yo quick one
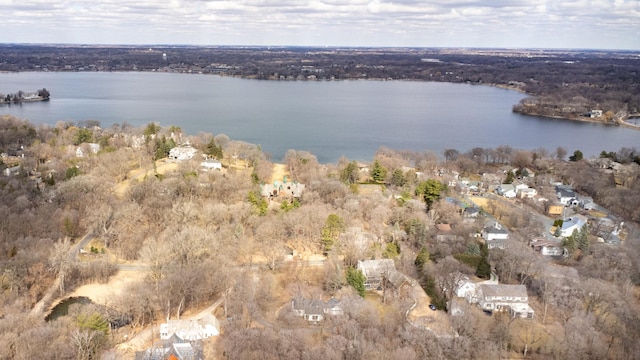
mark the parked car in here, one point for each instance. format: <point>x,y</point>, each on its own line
<point>432,307</point>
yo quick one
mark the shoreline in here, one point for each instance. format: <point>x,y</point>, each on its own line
<point>618,122</point>
<point>22,101</point>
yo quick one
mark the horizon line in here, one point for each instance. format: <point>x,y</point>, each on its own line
<point>313,46</point>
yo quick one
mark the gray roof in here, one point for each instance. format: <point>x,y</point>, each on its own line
<point>503,290</point>
<point>309,306</point>
<point>376,268</point>
<point>314,306</point>
<point>492,229</point>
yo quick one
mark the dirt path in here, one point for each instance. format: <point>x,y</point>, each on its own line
<point>421,315</point>
<point>163,166</point>
<point>103,293</point>
<point>279,172</point>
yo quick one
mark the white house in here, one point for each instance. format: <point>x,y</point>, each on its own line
<point>565,194</point>
<point>211,164</point>
<point>15,170</point>
<point>468,289</point>
<point>507,190</point>
<point>191,330</point>
<point>596,113</point>
<point>548,247</point>
<point>528,193</point>
<point>495,236</point>
<point>501,297</point>
<point>284,187</point>
<point>182,153</point>
<point>572,224</point>
<point>495,232</point>
<point>315,311</point>
<point>82,150</point>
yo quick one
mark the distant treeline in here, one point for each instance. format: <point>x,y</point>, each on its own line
<point>564,83</point>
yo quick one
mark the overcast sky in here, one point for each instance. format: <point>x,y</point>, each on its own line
<point>595,24</point>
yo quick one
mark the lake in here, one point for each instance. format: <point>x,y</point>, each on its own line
<point>327,118</point>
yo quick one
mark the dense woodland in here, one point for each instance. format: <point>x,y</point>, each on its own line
<point>562,83</point>
<point>198,233</point>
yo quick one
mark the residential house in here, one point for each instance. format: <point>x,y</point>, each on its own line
<point>574,223</point>
<point>211,164</point>
<point>596,113</point>
<point>282,188</point>
<point>469,186</point>
<point>501,297</point>
<point>377,272</point>
<point>470,214</point>
<point>449,238</point>
<point>565,194</point>
<point>172,351</point>
<point>586,202</point>
<point>548,247</point>
<point>314,310</point>
<point>495,236</point>
<point>12,171</point>
<point>468,289</point>
<point>520,186</point>
<point>85,149</point>
<point>191,330</point>
<point>528,193</point>
<point>182,153</point>
<point>506,190</point>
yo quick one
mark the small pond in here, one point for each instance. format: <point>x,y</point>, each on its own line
<point>62,309</point>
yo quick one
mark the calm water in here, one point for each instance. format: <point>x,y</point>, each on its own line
<point>329,119</point>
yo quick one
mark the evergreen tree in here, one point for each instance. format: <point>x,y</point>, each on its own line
<point>260,205</point>
<point>397,178</point>
<point>484,268</point>
<point>82,136</point>
<point>510,177</point>
<point>356,279</point>
<point>349,174</point>
<point>577,156</point>
<point>378,172</point>
<point>582,239</point>
<point>214,150</point>
<point>422,259</point>
<point>430,191</point>
<point>333,227</point>
<point>392,250</point>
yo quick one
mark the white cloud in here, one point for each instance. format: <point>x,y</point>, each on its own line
<point>486,23</point>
